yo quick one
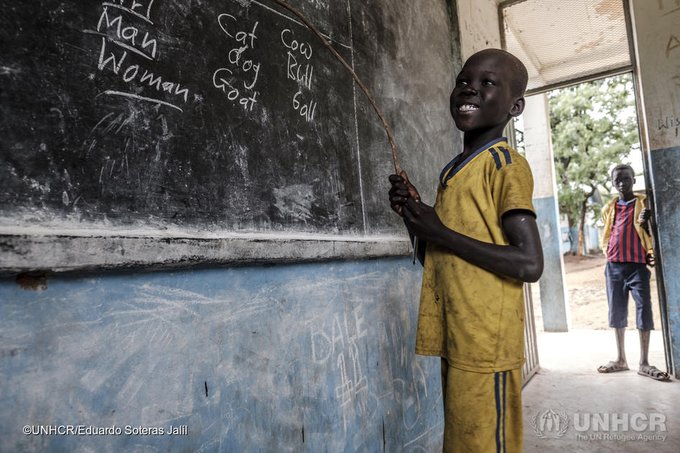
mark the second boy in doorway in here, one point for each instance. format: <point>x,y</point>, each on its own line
<point>628,246</point>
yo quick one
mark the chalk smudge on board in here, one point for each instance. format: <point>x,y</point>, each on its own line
<point>294,201</point>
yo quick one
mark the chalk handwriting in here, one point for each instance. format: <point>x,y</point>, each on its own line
<point>113,26</point>
<point>224,84</point>
<point>141,98</point>
<point>299,69</point>
<point>134,71</point>
<point>147,47</point>
<point>300,73</point>
<point>239,87</point>
<point>296,71</point>
<point>353,388</point>
<point>327,343</point>
<point>670,122</point>
<point>245,65</point>
<point>306,110</point>
<point>291,43</point>
<point>672,44</point>
<point>411,387</point>
<point>340,342</point>
<point>668,6</point>
<point>225,20</point>
<point>140,9</point>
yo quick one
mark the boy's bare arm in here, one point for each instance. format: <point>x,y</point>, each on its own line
<point>522,259</point>
<point>644,220</point>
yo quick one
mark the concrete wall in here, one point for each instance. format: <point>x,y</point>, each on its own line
<point>315,357</point>
<point>478,21</point>
<point>538,144</point>
<point>658,56</point>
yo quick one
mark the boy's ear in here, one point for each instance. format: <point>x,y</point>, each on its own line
<point>517,107</point>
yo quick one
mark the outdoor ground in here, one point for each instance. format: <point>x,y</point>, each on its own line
<point>587,295</point>
<point>569,385</point>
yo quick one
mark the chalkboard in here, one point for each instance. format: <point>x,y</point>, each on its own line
<point>208,116</point>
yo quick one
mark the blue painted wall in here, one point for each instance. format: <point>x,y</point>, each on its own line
<point>314,358</point>
<point>665,164</point>
<point>571,246</point>
<point>553,295</point>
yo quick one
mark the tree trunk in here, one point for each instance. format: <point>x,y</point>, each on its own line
<point>581,229</point>
<point>572,234</point>
<point>582,223</point>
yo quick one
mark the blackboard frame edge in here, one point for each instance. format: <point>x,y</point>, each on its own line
<point>66,254</point>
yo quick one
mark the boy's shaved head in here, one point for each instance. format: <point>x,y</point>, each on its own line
<point>489,91</point>
<point>519,73</point>
<point>621,167</point>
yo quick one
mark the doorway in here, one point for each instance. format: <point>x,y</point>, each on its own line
<point>567,44</point>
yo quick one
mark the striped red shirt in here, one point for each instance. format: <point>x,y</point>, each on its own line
<point>624,243</point>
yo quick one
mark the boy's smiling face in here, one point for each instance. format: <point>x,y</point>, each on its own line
<point>484,96</point>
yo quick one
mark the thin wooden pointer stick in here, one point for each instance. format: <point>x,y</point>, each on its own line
<point>390,138</point>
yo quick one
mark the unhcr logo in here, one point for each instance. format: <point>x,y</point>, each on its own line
<point>550,424</point>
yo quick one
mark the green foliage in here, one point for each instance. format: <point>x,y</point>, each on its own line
<point>593,128</point>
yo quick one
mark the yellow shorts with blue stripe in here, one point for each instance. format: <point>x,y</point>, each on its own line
<point>482,411</point>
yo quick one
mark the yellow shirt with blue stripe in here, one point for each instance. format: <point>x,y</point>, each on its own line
<point>468,315</point>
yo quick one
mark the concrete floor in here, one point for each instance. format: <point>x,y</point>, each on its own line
<point>588,406</point>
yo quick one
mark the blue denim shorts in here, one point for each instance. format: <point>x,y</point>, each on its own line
<point>622,279</point>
